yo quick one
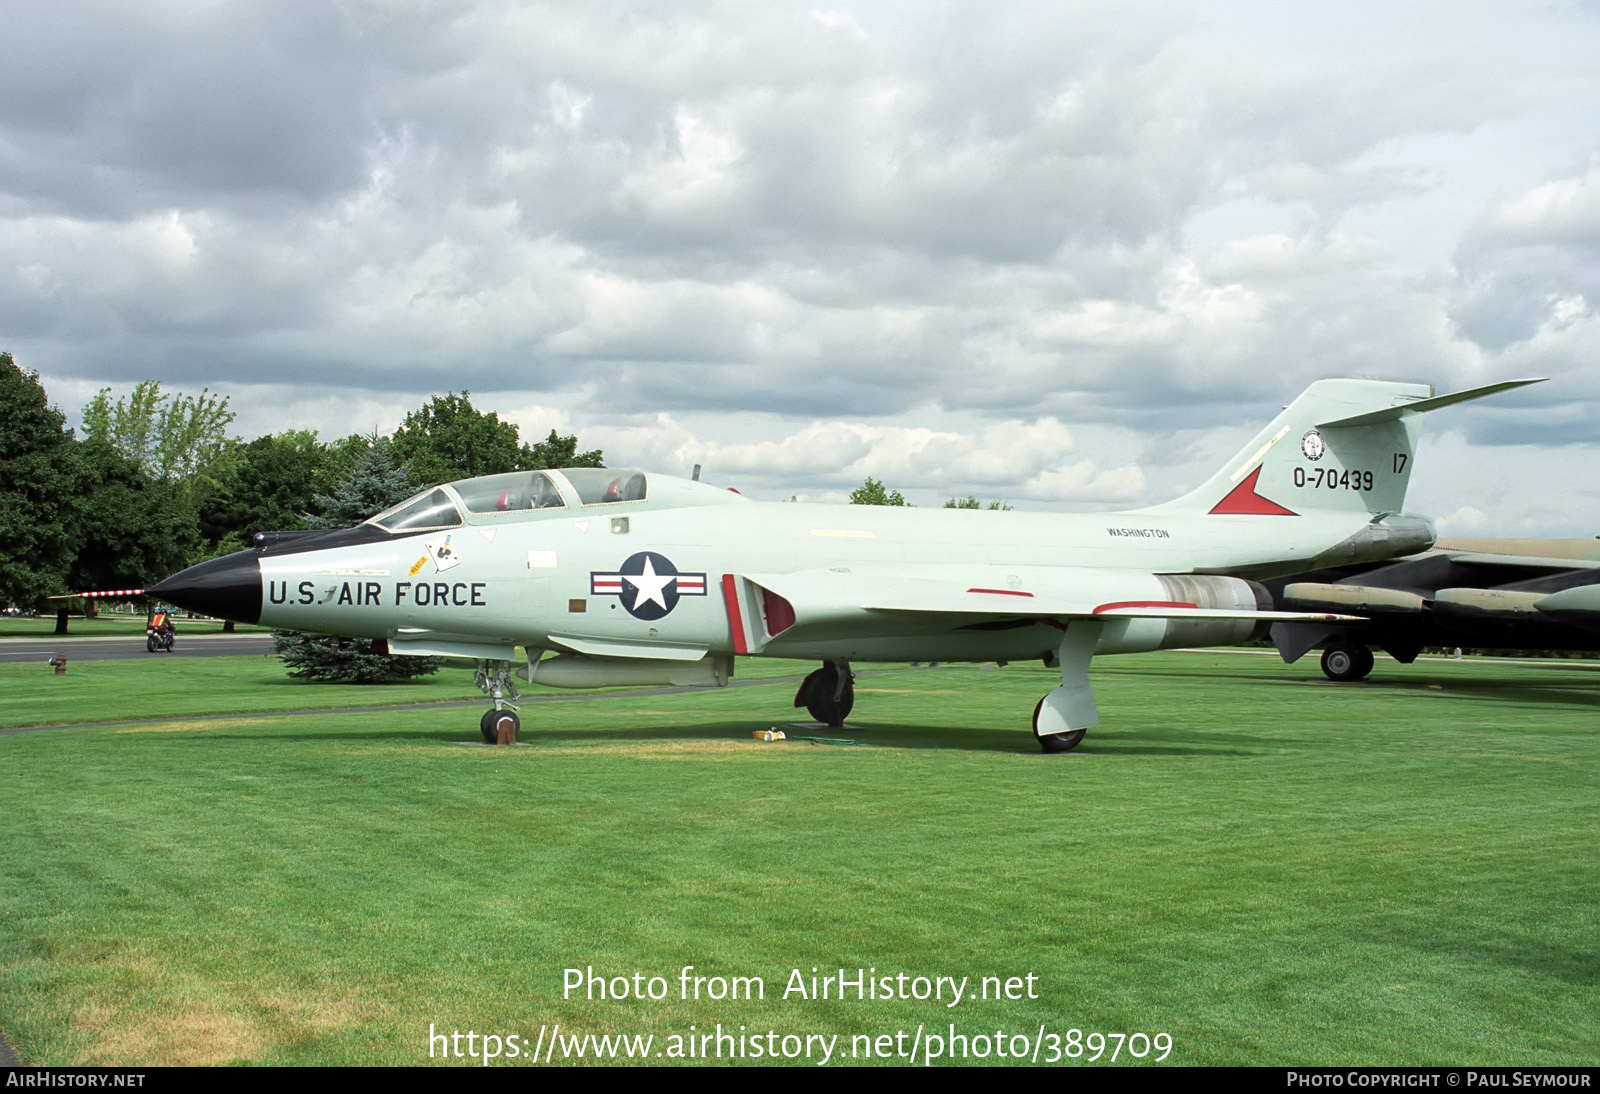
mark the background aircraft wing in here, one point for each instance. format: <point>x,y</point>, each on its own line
<point>1473,593</point>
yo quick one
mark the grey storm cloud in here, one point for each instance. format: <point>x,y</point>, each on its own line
<point>697,227</point>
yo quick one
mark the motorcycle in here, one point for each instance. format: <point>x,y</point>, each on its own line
<point>157,640</point>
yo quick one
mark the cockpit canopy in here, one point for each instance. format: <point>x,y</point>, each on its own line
<point>523,492</point>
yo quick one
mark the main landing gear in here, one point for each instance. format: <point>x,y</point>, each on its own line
<point>828,693</point>
<point>494,680</point>
<point>1346,662</point>
<point>1062,717</point>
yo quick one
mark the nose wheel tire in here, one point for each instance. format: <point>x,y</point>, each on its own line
<point>1051,743</point>
<point>492,722</point>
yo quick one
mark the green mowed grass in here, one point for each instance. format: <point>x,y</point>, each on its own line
<point>1268,867</point>
<point>158,686</point>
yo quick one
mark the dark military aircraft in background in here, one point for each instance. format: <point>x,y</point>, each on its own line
<point>1541,594</point>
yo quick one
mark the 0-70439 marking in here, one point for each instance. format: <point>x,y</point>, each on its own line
<point>1330,479</point>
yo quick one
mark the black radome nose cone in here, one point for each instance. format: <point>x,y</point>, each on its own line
<point>228,587</point>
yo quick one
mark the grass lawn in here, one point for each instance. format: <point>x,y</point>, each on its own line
<point>162,687</point>
<point>1266,867</point>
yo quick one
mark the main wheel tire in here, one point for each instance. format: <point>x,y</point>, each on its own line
<point>1346,662</point>
<point>486,726</point>
<point>816,694</point>
<point>802,694</point>
<point>1051,743</point>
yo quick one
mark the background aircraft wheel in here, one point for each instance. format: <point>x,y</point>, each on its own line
<point>816,694</point>
<point>1346,662</point>
<point>486,726</point>
<point>1055,742</point>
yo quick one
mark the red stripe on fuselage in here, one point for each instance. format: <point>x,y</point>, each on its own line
<point>1144,604</point>
<point>730,596</point>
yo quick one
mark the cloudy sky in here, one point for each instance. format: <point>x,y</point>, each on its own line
<point>1065,254</point>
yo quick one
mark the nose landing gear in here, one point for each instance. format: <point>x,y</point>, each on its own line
<point>494,680</point>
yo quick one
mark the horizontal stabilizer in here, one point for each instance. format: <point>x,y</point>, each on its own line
<point>1418,406</point>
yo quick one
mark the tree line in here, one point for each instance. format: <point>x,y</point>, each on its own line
<point>873,492</point>
<point>158,482</point>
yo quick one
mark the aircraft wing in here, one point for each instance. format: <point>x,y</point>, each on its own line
<point>817,602</point>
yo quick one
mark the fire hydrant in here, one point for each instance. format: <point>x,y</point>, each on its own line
<point>60,663</point>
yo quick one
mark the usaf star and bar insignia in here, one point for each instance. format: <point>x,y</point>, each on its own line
<point>648,584</point>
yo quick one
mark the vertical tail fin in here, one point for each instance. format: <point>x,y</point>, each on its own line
<point>1343,446</point>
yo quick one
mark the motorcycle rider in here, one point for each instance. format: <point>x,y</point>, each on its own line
<point>160,627</point>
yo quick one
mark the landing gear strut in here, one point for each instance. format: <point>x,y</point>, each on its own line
<point>1346,662</point>
<point>1062,717</point>
<point>828,693</point>
<point>494,680</point>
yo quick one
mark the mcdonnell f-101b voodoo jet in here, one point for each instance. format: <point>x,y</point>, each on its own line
<point>608,577</point>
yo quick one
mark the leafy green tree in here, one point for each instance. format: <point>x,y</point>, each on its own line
<point>971,502</point>
<point>38,492</point>
<point>130,425</point>
<point>872,492</point>
<point>131,529</point>
<point>272,487</point>
<point>558,451</point>
<point>180,438</point>
<point>449,439</point>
